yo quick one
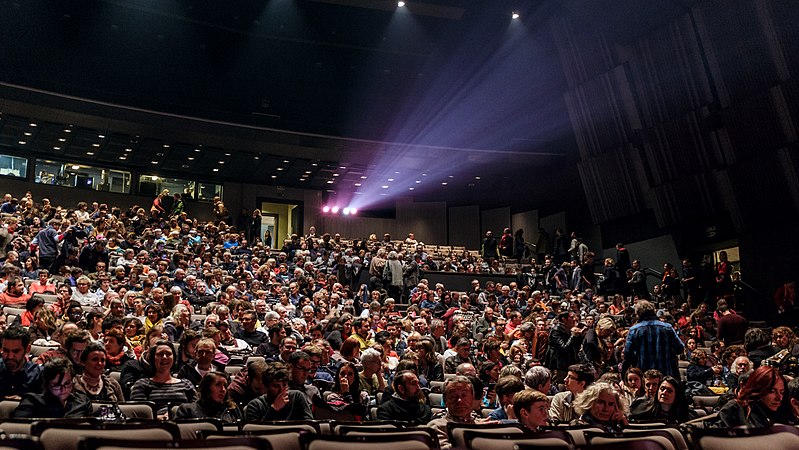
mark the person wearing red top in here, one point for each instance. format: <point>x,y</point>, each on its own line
<point>42,285</point>
<point>15,293</point>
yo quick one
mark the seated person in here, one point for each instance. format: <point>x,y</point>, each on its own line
<point>407,403</point>
<point>93,382</point>
<point>459,402</point>
<point>278,402</point>
<point>203,364</point>
<point>600,406</point>
<point>699,371</point>
<point>506,389</point>
<point>161,387</point>
<point>19,376</point>
<point>248,384</point>
<point>531,408</point>
<point>579,376</point>
<point>760,403</point>
<point>669,405</point>
<point>371,377</point>
<point>58,399</point>
<point>213,401</point>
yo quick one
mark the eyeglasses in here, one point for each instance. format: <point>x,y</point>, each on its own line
<point>61,387</point>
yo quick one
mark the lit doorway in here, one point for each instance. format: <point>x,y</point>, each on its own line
<point>281,218</point>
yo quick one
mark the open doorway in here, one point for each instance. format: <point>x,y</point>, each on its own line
<point>281,218</point>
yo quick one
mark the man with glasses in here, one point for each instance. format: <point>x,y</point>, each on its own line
<point>316,356</point>
<point>248,333</point>
<point>19,375</point>
<point>301,367</point>
<point>83,295</point>
<point>74,345</point>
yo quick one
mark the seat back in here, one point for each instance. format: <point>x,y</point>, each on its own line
<point>479,440</point>
<point>190,427</point>
<point>162,444</point>
<point>7,407</point>
<point>291,425</point>
<point>19,443</point>
<point>456,430</point>
<point>278,439</point>
<point>778,437</point>
<point>399,433</point>
<point>343,427</point>
<point>707,402</point>
<point>366,442</point>
<point>60,436</point>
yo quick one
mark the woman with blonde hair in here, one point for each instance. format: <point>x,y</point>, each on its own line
<point>601,406</point>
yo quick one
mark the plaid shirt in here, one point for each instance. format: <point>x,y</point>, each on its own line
<point>653,344</point>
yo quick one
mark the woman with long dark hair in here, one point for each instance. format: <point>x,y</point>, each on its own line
<point>668,405</point>
<point>213,401</point>
<point>347,388</point>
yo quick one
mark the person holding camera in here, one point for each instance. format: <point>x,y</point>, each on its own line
<point>565,341</point>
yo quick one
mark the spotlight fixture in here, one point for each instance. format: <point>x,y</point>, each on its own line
<point>400,4</point>
<point>515,15</point>
<point>353,211</point>
<point>334,210</point>
<point>346,211</point>
<point>326,209</point>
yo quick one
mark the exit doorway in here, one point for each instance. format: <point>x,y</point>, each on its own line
<point>281,219</point>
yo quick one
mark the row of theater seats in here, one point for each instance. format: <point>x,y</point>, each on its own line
<point>91,434</point>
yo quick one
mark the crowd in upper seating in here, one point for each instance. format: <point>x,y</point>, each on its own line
<point>106,304</point>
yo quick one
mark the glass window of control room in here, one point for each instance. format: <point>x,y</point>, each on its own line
<point>13,166</point>
<point>82,176</point>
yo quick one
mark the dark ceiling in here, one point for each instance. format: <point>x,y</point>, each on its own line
<point>452,89</point>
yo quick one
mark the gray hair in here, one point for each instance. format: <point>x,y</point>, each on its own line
<point>536,376</point>
<point>585,400</point>
<point>644,306</point>
<point>370,355</point>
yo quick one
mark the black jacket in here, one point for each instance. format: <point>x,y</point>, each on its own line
<point>203,410</point>
<point>563,348</point>
<point>48,406</point>
<point>405,410</point>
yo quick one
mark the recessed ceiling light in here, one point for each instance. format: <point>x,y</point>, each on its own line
<point>185,166</point>
<point>166,145</point>
<point>56,148</point>
<point>329,181</point>
<point>101,136</point>
<point>279,168</point>
<point>451,176</point>
<point>514,16</point>
<point>221,162</point>
<point>314,164</point>
<point>76,167</point>
<point>197,150</point>
<point>424,174</point>
<point>335,174</point>
<point>342,167</point>
<point>410,188</point>
<point>153,162</point>
<point>358,184</point>
<point>385,186</point>
<point>89,153</point>
<point>123,157</point>
<point>476,178</point>
<point>285,161</point>
<point>363,177</point>
<point>190,158</point>
<point>61,140</point>
<point>303,179</point>
<point>274,176</point>
<point>390,179</point>
<point>418,181</point>
<point>22,142</point>
<point>257,157</point>
<point>308,171</point>
<point>227,154</point>
<point>444,183</point>
<point>33,124</point>
<point>400,4</point>
<point>95,145</point>
<point>67,130</point>
<point>27,133</point>
<point>216,170</point>
<point>128,149</point>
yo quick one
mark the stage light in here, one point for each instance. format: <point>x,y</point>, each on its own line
<point>326,209</point>
<point>400,4</point>
<point>334,210</point>
<point>353,211</point>
<point>346,211</point>
<point>515,15</point>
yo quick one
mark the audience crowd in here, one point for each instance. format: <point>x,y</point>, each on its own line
<point>204,319</point>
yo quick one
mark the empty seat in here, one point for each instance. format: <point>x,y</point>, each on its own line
<point>366,442</point>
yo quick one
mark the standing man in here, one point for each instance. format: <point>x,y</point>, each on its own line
<point>490,248</point>
<point>565,341</point>
<point>652,344</point>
